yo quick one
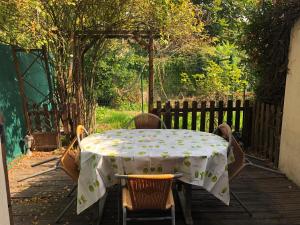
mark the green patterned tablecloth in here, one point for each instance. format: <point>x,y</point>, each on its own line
<point>201,158</point>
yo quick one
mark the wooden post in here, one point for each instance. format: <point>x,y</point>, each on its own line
<point>168,115</point>
<point>176,115</point>
<point>185,115</point>
<point>211,116</point>
<point>194,115</point>
<point>220,114</point>
<point>48,74</point>
<point>261,130</point>
<point>237,115</point>
<point>21,88</point>
<point>229,112</point>
<point>151,73</point>
<point>247,124</point>
<point>278,124</point>
<point>203,115</point>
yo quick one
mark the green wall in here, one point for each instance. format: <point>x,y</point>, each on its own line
<point>10,99</point>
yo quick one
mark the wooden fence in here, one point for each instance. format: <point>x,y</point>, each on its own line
<point>266,131</point>
<point>44,127</point>
<point>259,124</point>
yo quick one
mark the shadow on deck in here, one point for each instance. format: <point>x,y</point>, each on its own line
<point>272,199</point>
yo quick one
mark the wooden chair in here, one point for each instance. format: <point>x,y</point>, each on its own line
<point>146,192</point>
<point>239,163</point>
<point>147,121</point>
<point>68,162</point>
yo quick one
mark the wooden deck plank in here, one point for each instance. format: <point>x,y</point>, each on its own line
<point>273,200</point>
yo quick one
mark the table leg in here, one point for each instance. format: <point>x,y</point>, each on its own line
<point>185,199</point>
<point>100,209</point>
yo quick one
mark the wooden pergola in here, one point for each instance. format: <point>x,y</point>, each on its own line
<point>144,38</point>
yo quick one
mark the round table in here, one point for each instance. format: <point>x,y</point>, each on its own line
<point>201,157</point>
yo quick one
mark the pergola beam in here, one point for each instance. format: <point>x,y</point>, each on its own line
<point>115,34</point>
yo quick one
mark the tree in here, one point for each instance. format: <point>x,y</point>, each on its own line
<point>62,26</point>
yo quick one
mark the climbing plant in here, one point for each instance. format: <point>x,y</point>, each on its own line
<point>267,40</point>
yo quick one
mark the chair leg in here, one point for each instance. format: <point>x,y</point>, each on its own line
<point>44,161</point>
<point>37,174</point>
<point>72,190</point>
<point>124,216</point>
<point>249,163</point>
<point>173,215</point>
<point>65,209</point>
<point>241,203</point>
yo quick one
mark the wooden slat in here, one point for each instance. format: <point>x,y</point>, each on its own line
<point>247,124</point>
<point>272,133</point>
<point>168,116</point>
<point>203,115</point>
<point>176,115</point>
<point>220,113</point>
<point>158,109</point>
<point>211,116</point>
<point>185,115</point>
<point>237,115</point>
<point>194,115</point>
<point>261,130</point>
<point>265,194</point>
<point>229,112</point>
<point>256,128</point>
<point>278,121</point>
<point>266,131</point>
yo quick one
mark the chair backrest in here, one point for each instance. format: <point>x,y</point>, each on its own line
<point>239,159</point>
<point>225,132</point>
<point>147,121</point>
<point>68,161</point>
<point>149,191</point>
<point>235,167</point>
<point>80,132</point>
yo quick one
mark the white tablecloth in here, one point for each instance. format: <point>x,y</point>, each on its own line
<point>201,158</point>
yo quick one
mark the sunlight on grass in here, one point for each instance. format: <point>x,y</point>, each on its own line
<point>108,119</point>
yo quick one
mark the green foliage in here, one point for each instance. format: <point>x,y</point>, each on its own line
<point>267,39</point>
<point>224,20</point>
<point>214,73</point>
<point>118,73</point>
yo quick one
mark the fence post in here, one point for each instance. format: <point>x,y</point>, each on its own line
<point>168,115</point>
<point>247,124</point>
<point>272,133</point>
<point>203,115</point>
<point>261,130</point>
<point>185,115</point>
<point>278,124</point>
<point>158,109</point>
<point>176,115</point>
<point>211,116</point>
<point>266,131</point>
<point>194,115</point>
<point>229,112</point>
<point>220,113</point>
<point>237,115</point>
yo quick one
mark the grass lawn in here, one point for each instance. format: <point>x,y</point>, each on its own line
<point>108,118</point>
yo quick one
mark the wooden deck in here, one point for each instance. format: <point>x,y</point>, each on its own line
<point>271,198</point>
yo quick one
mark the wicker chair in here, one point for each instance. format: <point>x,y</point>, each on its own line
<point>146,192</point>
<point>147,121</point>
